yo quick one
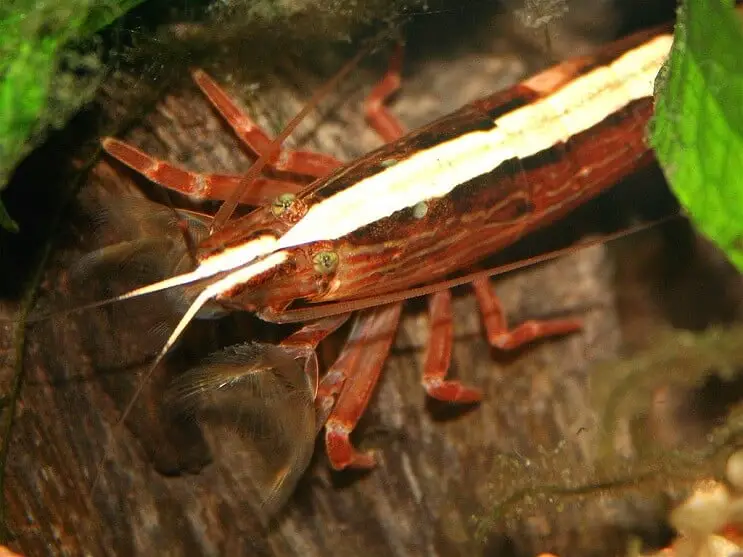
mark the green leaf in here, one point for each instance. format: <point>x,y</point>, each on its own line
<point>46,73</point>
<point>5,221</point>
<point>697,131</point>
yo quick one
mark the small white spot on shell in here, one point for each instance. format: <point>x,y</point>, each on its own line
<point>201,186</point>
<point>420,209</point>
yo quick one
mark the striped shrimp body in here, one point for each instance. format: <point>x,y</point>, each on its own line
<point>425,205</point>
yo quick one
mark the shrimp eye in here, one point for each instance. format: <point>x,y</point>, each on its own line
<point>282,203</point>
<point>325,262</point>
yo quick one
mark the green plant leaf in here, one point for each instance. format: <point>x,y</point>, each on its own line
<point>6,221</point>
<point>697,131</point>
<point>46,72</point>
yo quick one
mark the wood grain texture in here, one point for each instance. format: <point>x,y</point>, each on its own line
<point>163,492</point>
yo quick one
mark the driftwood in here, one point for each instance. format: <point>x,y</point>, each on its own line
<point>166,490</point>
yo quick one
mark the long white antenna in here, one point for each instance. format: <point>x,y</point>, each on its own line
<point>235,278</point>
<point>228,260</point>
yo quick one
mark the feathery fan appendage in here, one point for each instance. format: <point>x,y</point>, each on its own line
<point>261,393</point>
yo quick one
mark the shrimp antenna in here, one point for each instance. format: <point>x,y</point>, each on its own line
<point>230,204</point>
